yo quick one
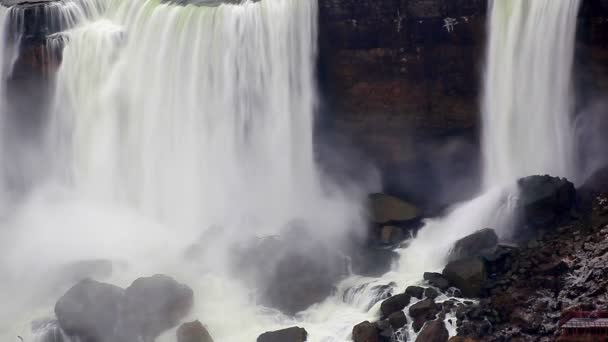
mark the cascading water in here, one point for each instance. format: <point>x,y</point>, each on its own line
<point>527,123</point>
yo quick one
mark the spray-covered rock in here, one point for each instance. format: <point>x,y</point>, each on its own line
<point>544,201</point>
<point>293,270</point>
<point>293,334</point>
<point>193,332</point>
<point>433,331</point>
<point>99,312</point>
<point>91,310</point>
<point>468,275</point>
<point>481,242</point>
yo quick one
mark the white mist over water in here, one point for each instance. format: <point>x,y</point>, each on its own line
<point>527,123</point>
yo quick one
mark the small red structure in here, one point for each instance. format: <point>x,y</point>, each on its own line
<point>585,323</point>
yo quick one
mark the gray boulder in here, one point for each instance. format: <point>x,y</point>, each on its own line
<point>293,334</point>
<point>156,304</point>
<point>92,311</point>
<point>479,243</point>
<point>99,312</point>
<point>193,332</point>
<point>394,304</point>
<point>468,275</point>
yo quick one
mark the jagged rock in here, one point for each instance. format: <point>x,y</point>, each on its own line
<point>364,332</point>
<point>469,275</point>
<point>91,310</point>
<point>293,334</point>
<point>394,304</point>
<point>397,319</point>
<point>433,331</point>
<point>437,280</point>
<point>387,209</point>
<point>415,291</point>
<point>479,243</point>
<point>193,332</point>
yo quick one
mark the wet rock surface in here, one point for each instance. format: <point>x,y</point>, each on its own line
<point>293,270</point>
<point>193,332</point>
<point>99,312</point>
<point>479,243</point>
<point>562,270</point>
<point>294,334</point>
<point>433,331</point>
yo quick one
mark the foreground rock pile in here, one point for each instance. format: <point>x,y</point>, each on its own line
<point>537,285</point>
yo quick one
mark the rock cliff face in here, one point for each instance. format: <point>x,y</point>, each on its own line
<point>403,79</point>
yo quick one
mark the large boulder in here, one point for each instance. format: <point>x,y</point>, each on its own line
<point>365,332</point>
<point>479,243</point>
<point>156,304</point>
<point>92,311</point>
<point>394,304</point>
<point>437,280</point>
<point>293,334</point>
<point>433,331</point>
<point>387,209</point>
<point>545,201</point>
<point>99,312</point>
<point>469,275</point>
<point>193,332</point>
<point>294,270</point>
<point>423,311</point>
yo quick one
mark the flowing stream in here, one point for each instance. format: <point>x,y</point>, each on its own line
<point>171,121</point>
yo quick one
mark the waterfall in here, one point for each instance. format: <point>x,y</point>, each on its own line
<point>187,113</point>
<point>527,124</point>
<point>169,120</point>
